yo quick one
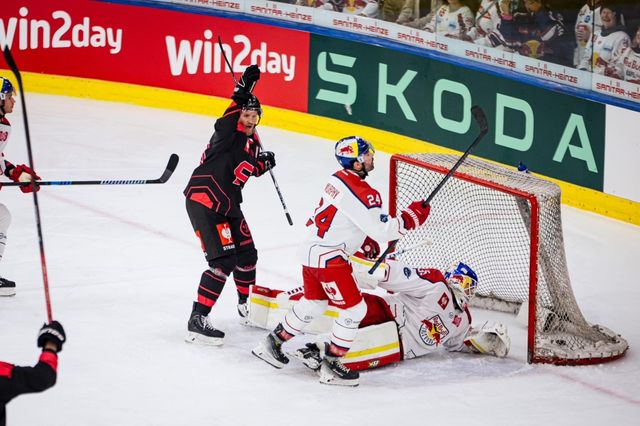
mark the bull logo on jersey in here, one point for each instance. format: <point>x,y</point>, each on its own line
<point>432,331</point>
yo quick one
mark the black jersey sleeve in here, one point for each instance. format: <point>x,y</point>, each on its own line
<point>16,380</point>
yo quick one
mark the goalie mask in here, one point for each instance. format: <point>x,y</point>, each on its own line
<point>352,149</point>
<point>463,282</point>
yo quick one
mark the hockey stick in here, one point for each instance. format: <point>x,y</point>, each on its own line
<point>168,171</point>
<point>273,177</point>
<point>493,3</point>
<point>425,242</point>
<point>481,119</point>
<point>12,64</point>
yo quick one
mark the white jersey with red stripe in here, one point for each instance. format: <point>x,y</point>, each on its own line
<point>604,50</point>
<point>447,22</point>
<point>590,20</point>
<point>5,131</point>
<point>349,210</point>
<point>424,309</point>
<point>628,65</point>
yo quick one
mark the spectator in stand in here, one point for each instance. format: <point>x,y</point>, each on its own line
<point>605,49</point>
<point>538,33</point>
<point>627,67</point>
<point>587,23</point>
<point>16,380</point>
<point>451,19</point>
<point>368,8</point>
<point>399,11</point>
<point>486,31</point>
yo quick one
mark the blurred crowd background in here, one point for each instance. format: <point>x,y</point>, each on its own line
<point>601,36</point>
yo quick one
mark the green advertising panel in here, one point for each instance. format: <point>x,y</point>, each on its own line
<point>556,135</point>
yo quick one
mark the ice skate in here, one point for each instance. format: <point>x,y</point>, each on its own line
<point>334,372</point>
<point>270,351</point>
<point>7,287</point>
<point>201,331</point>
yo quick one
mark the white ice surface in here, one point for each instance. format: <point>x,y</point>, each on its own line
<point>124,266</point>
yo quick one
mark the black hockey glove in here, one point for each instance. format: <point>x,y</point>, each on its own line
<point>247,82</point>
<point>52,332</point>
<point>266,161</point>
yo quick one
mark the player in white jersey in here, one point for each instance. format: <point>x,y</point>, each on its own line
<point>627,67</point>
<point>425,311</point>
<point>588,22</point>
<point>350,211</point>
<point>605,49</point>
<point>19,173</point>
<point>429,310</point>
<point>451,19</point>
<point>485,32</point>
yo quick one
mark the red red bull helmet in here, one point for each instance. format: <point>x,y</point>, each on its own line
<point>352,149</point>
<point>6,89</point>
<point>463,281</point>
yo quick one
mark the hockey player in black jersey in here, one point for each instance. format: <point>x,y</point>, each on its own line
<point>16,380</point>
<point>213,198</point>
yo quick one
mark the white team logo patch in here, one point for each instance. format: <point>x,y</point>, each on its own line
<point>432,331</point>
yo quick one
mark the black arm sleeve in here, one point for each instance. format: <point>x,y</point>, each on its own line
<point>26,380</point>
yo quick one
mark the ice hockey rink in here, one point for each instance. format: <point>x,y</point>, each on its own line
<point>124,265</point>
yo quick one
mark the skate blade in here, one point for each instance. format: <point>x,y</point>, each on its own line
<point>199,339</point>
<point>7,291</point>
<point>261,352</point>
<point>330,379</point>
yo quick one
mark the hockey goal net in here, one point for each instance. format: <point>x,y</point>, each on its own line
<point>507,226</point>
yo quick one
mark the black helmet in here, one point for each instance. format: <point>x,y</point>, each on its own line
<point>253,104</point>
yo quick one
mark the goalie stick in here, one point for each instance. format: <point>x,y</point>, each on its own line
<point>273,177</point>
<point>43,262</point>
<point>425,242</point>
<point>168,171</point>
<point>481,119</point>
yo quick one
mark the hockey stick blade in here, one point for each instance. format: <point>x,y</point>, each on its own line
<point>171,167</point>
<point>168,171</point>
<point>480,118</point>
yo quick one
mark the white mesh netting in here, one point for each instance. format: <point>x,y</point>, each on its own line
<point>483,217</point>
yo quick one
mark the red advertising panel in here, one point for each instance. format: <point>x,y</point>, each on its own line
<point>154,47</point>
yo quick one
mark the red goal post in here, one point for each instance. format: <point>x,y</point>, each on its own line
<point>507,226</point>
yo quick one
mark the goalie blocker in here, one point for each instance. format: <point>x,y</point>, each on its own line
<point>437,317</point>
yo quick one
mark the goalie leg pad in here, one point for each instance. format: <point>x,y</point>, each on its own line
<point>374,346</point>
<point>267,308</point>
<point>491,339</point>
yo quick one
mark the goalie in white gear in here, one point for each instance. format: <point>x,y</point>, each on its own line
<point>427,311</point>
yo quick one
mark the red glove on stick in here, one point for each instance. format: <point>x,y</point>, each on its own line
<point>22,173</point>
<point>370,248</point>
<point>415,215</point>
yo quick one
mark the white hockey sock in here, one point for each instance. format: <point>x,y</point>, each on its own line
<point>302,314</point>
